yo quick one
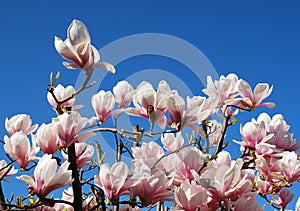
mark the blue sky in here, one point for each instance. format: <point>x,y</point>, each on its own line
<point>259,41</point>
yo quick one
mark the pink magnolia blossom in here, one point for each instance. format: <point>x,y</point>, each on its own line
<point>103,103</point>
<point>84,153</point>
<point>227,181</point>
<point>190,196</point>
<point>61,93</point>
<point>290,165</point>
<point>252,99</point>
<point>20,123</point>
<point>152,189</point>
<point>151,104</point>
<point>123,93</point>
<point>172,143</point>
<point>181,165</point>
<point>196,111</point>
<point>18,146</point>
<point>77,48</point>
<point>148,153</point>
<point>4,168</point>
<point>223,89</point>
<point>114,181</point>
<point>47,178</point>
<point>248,203</point>
<point>284,197</point>
<point>46,137</point>
<point>263,186</point>
<point>69,126</point>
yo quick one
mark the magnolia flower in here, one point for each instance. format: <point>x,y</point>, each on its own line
<point>252,99</point>
<point>113,180</point>
<point>152,189</point>
<point>148,153</point>
<point>61,93</point>
<point>284,197</point>
<point>247,203</point>
<point>69,126</point>
<point>18,147</point>
<point>123,93</point>
<point>172,143</point>
<point>77,48</point>
<point>20,122</point>
<point>189,196</point>
<point>46,137</point>
<point>180,165</point>
<point>290,166</point>
<point>151,104</point>
<point>222,89</point>
<point>196,111</point>
<point>103,102</point>
<point>226,181</point>
<point>4,168</point>
<point>46,177</point>
<point>84,153</point>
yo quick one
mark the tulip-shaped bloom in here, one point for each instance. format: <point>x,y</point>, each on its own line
<point>47,178</point>
<point>103,103</point>
<point>152,189</point>
<point>223,89</point>
<point>18,147</point>
<point>68,127</point>
<point>248,203</point>
<point>151,104</point>
<point>114,181</point>
<point>284,197</point>
<point>61,93</point>
<point>196,111</point>
<point>172,143</point>
<point>148,153</point>
<point>46,138</point>
<point>78,49</point>
<point>189,196</point>
<point>123,93</point>
<point>227,181</point>
<point>20,122</point>
<point>252,99</point>
<point>290,165</point>
<point>84,153</point>
<point>180,165</point>
<point>4,167</point>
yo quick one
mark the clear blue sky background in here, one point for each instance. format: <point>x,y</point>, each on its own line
<point>258,40</point>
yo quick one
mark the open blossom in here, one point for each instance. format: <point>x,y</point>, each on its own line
<point>152,189</point>
<point>222,89</point>
<point>114,181</point>
<point>77,48</point>
<point>172,143</point>
<point>284,197</point>
<point>148,153</point>
<point>20,122</point>
<point>181,165</point>
<point>196,111</point>
<point>18,146</point>
<point>46,176</point>
<point>4,167</point>
<point>151,104</point>
<point>252,99</point>
<point>248,203</point>
<point>103,103</point>
<point>123,93</point>
<point>84,153</point>
<point>69,126</point>
<point>46,137</point>
<point>189,196</point>
<point>226,181</point>
<point>61,93</point>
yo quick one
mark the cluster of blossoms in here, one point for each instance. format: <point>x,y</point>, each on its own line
<point>193,174</point>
